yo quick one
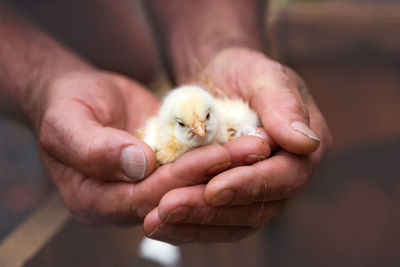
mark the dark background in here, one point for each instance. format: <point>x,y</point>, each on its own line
<point>349,53</point>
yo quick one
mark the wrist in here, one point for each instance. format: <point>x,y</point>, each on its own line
<point>195,31</point>
<point>189,59</point>
<point>29,61</point>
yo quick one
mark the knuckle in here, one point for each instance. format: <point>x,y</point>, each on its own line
<point>92,155</point>
<point>91,213</point>
<point>212,217</point>
<point>48,129</point>
<point>190,237</point>
<point>75,207</point>
<point>260,215</point>
<point>286,106</point>
<point>80,209</point>
<point>297,106</point>
<point>254,217</point>
<point>257,193</point>
<point>296,179</point>
<point>264,213</point>
<point>140,213</point>
<point>263,218</point>
<point>260,192</point>
<point>297,183</point>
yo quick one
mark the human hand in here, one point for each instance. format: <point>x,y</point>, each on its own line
<point>292,121</point>
<point>184,216</point>
<point>85,121</point>
<point>85,125</point>
<point>238,201</point>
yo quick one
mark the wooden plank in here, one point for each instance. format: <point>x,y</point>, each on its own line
<point>31,235</point>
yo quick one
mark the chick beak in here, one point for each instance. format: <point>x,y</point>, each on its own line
<point>198,127</point>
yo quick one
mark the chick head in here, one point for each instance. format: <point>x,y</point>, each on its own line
<point>190,112</point>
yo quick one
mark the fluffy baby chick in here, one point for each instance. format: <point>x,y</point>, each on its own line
<point>236,119</point>
<point>235,115</point>
<point>187,119</point>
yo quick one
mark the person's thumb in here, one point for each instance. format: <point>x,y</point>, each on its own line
<point>284,114</point>
<point>107,153</point>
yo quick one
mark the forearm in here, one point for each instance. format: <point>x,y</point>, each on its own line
<point>197,30</point>
<point>29,59</point>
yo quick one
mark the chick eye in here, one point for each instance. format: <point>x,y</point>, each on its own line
<point>208,116</point>
<point>181,123</point>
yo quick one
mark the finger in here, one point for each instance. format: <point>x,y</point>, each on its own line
<point>79,140</point>
<point>318,123</point>
<point>177,234</point>
<point>194,167</point>
<point>187,205</point>
<point>198,165</point>
<point>261,133</point>
<point>247,150</point>
<point>92,200</point>
<point>280,104</point>
<point>277,178</point>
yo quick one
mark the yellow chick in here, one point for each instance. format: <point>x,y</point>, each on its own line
<point>188,118</point>
<point>236,119</point>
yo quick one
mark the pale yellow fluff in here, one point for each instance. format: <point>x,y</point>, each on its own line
<point>187,119</point>
<point>236,119</point>
<point>190,117</point>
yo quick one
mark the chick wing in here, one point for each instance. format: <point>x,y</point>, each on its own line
<point>236,119</point>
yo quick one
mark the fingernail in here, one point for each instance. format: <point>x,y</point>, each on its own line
<point>133,162</point>
<point>223,198</point>
<point>178,215</point>
<point>304,129</point>
<point>250,159</point>
<point>258,133</point>
<point>218,168</point>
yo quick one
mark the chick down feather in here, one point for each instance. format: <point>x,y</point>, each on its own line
<point>236,119</point>
<point>190,117</point>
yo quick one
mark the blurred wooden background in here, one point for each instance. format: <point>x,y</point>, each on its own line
<point>348,52</point>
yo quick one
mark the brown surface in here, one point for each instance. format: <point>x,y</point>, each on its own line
<point>361,102</point>
<point>310,31</point>
<point>24,242</point>
<point>349,217</point>
<point>80,245</point>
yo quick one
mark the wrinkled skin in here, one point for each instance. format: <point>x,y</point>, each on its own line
<point>85,120</point>
<point>238,201</point>
<point>82,134</point>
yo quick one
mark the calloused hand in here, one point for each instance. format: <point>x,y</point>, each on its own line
<point>85,124</point>
<point>237,201</point>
